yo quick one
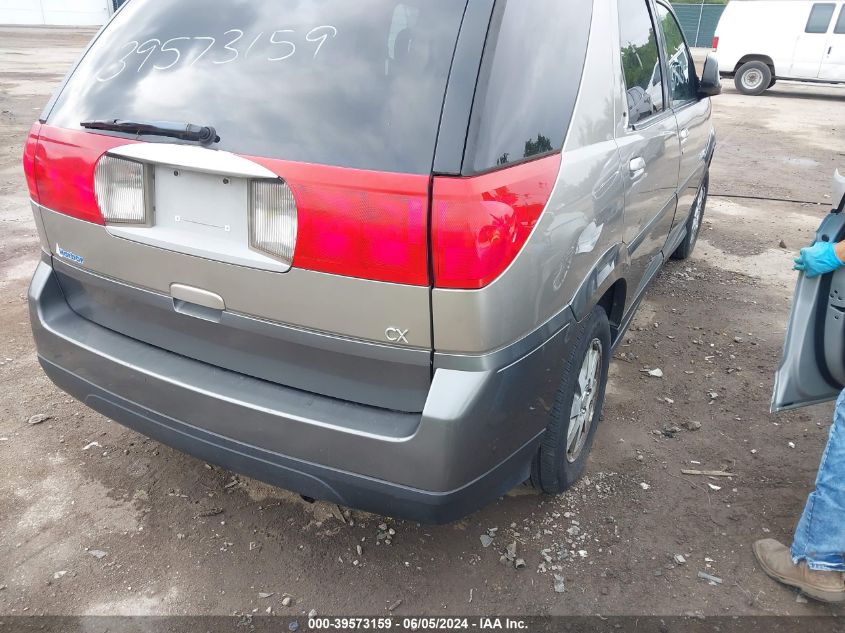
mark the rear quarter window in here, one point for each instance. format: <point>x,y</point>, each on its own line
<point>820,16</point>
<point>354,84</point>
<point>531,73</point>
<point>839,29</point>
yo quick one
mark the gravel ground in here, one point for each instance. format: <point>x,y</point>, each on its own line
<point>133,527</point>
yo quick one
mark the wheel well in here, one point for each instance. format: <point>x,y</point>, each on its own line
<point>613,302</point>
<point>756,58</point>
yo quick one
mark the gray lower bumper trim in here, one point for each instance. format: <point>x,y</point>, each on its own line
<point>311,480</point>
<point>475,440</point>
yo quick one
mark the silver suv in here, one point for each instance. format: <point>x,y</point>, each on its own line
<point>375,252</point>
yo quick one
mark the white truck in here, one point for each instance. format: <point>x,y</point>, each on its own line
<point>761,41</point>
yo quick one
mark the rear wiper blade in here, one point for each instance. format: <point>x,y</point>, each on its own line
<point>203,134</point>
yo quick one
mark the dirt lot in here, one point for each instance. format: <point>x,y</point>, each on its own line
<point>132,526</point>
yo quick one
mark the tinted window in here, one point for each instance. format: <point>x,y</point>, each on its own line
<point>840,23</point>
<point>679,65</point>
<point>357,84</point>
<point>530,77</point>
<point>820,17</point>
<point>640,60</point>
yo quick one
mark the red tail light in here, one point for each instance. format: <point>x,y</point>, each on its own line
<point>358,223</point>
<point>480,224</point>
<point>29,159</point>
<point>351,222</point>
<point>716,43</point>
<point>64,170</point>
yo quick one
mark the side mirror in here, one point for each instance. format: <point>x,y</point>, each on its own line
<point>710,83</point>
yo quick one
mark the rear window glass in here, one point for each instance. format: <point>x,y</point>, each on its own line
<point>354,84</point>
<point>840,23</point>
<point>820,17</point>
<point>531,73</point>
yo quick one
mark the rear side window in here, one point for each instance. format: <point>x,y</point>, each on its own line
<point>354,84</point>
<point>640,61</point>
<point>679,64</point>
<point>531,73</point>
<point>840,23</point>
<point>820,17</point>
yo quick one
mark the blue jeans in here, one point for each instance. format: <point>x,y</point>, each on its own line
<point>820,535</point>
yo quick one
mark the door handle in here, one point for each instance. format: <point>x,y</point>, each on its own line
<point>684,134</point>
<point>636,167</point>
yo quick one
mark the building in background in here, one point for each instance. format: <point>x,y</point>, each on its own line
<point>57,12</point>
<point>699,20</point>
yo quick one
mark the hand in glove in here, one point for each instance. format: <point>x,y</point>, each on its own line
<point>819,259</point>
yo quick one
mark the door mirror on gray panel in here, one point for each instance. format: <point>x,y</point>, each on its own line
<point>710,83</point>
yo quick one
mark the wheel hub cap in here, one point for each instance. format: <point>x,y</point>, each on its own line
<point>752,79</point>
<point>584,401</point>
<point>698,212</point>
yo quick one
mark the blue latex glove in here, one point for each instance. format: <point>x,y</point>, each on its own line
<point>818,259</point>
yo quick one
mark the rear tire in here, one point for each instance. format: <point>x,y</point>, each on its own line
<point>753,78</point>
<point>696,217</point>
<point>575,415</point>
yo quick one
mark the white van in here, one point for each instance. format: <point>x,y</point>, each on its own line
<point>761,41</point>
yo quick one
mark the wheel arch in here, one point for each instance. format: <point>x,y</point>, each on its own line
<point>756,58</point>
<point>606,286</point>
<point>613,302</point>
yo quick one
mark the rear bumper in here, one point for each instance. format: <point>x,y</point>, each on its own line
<point>474,440</point>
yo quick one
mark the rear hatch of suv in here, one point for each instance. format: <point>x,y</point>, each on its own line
<point>293,247</point>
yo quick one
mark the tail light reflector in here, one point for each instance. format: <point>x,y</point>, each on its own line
<point>29,151</point>
<point>716,43</point>
<point>119,185</point>
<point>272,219</point>
<point>480,224</point>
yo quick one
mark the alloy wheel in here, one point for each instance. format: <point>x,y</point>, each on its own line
<point>584,400</point>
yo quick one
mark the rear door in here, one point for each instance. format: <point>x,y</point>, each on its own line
<point>295,249</point>
<point>813,365</point>
<point>648,142</point>
<point>833,64</point>
<point>811,45</point>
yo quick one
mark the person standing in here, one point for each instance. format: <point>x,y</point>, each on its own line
<point>816,560</point>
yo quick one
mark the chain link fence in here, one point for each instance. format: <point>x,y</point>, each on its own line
<point>699,22</point>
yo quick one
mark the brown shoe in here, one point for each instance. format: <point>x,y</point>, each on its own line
<point>776,561</point>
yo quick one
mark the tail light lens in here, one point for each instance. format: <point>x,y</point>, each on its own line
<point>480,224</point>
<point>272,219</point>
<point>119,185</point>
<point>65,161</point>
<point>716,43</point>
<point>358,223</point>
<point>29,152</point>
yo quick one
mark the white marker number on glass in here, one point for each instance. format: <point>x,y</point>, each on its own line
<point>186,51</point>
<point>292,46</point>
<point>320,34</point>
<point>121,63</point>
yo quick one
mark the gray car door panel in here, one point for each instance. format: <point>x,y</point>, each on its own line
<point>813,367</point>
<point>650,199</point>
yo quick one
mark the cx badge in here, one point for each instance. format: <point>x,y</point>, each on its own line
<point>395,335</point>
